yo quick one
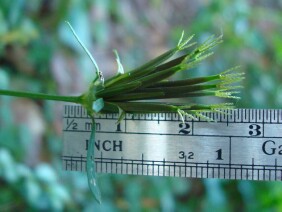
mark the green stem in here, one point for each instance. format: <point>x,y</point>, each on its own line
<point>74,99</point>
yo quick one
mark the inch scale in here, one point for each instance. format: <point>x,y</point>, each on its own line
<point>245,144</point>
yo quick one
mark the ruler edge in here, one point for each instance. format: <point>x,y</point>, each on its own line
<point>246,115</point>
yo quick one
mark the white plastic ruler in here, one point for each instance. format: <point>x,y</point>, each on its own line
<point>246,144</point>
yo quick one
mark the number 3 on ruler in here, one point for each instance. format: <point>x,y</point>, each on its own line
<point>255,130</point>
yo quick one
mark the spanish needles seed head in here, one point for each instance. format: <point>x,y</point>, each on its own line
<point>148,82</point>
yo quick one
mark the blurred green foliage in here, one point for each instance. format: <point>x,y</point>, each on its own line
<point>38,53</point>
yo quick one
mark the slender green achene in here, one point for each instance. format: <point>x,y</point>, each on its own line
<point>148,67</point>
<point>131,92</point>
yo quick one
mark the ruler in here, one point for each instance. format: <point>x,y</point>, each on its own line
<point>246,144</point>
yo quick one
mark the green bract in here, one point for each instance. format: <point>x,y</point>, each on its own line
<point>133,91</point>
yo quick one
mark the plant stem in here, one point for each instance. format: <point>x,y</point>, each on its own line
<point>74,99</point>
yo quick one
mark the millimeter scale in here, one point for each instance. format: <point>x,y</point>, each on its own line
<point>241,144</point>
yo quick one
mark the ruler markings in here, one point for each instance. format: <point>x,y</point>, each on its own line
<point>267,119</point>
<point>167,163</point>
<point>263,124</point>
<point>250,141</point>
<point>177,165</point>
<point>230,150</point>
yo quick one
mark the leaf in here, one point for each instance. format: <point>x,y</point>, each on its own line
<point>90,165</point>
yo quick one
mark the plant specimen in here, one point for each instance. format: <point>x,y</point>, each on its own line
<point>134,91</point>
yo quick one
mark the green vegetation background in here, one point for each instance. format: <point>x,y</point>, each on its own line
<point>38,53</point>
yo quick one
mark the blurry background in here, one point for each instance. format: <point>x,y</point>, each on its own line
<point>38,53</point>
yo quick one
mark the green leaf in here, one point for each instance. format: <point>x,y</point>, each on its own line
<point>90,165</point>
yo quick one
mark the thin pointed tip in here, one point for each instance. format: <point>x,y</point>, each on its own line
<point>181,38</point>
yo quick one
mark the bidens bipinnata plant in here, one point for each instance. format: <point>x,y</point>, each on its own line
<point>133,91</point>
